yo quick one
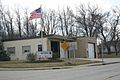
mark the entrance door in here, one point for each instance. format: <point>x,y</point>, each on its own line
<point>91,50</point>
<point>55,48</point>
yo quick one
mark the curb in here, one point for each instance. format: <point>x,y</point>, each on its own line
<point>26,69</point>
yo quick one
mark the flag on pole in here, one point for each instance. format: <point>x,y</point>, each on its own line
<point>35,14</point>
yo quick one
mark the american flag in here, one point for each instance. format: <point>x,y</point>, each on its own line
<point>35,14</point>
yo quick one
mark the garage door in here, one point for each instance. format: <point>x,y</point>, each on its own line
<point>91,50</point>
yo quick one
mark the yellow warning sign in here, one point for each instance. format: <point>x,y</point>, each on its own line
<point>65,45</point>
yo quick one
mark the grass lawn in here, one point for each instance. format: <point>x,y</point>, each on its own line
<point>112,55</point>
<point>39,64</point>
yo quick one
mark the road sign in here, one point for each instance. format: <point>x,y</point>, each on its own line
<point>65,45</point>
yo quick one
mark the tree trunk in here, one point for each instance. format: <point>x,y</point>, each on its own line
<point>109,50</point>
<point>116,52</point>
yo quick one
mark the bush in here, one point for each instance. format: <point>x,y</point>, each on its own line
<point>4,56</point>
<point>31,57</point>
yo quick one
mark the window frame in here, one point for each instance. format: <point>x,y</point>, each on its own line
<point>8,48</point>
<point>40,46</point>
<point>26,51</point>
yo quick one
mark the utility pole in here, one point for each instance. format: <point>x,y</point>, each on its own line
<point>102,52</point>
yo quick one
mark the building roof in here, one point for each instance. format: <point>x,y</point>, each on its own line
<point>47,36</point>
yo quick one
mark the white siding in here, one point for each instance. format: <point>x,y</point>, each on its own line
<point>62,55</point>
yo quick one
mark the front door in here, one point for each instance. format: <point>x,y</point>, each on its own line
<point>55,48</point>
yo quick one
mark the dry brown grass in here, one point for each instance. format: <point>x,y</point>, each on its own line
<point>24,64</point>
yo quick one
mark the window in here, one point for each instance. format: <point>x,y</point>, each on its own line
<point>26,49</point>
<point>11,50</point>
<point>39,47</point>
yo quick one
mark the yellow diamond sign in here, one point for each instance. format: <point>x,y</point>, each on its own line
<point>65,45</point>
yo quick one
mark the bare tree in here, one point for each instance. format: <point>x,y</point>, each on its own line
<point>26,23</point>
<point>67,22</point>
<point>33,30</point>
<point>94,23</point>
<point>110,32</point>
<point>88,19</point>
<point>9,21</point>
<point>104,36</point>
<point>4,28</point>
<point>49,22</point>
<point>2,31</point>
<point>1,20</point>
<point>115,30</point>
<point>18,21</point>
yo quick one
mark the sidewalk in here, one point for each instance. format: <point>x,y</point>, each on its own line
<point>111,60</point>
<point>106,61</point>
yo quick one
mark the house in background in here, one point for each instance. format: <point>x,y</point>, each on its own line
<point>114,47</point>
<point>80,47</point>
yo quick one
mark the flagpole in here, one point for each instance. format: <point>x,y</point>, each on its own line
<point>41,29</point>
<point>37,13</point>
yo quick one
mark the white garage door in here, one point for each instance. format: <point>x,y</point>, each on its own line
<point>91,51</point>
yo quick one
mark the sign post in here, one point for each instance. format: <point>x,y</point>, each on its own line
<point>65,46</point>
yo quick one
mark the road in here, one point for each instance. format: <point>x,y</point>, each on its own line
<point>101,72</point>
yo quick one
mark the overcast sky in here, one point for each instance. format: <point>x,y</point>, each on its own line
<point>55,4</point>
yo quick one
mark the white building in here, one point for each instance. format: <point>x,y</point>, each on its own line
<point>21,47</point>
